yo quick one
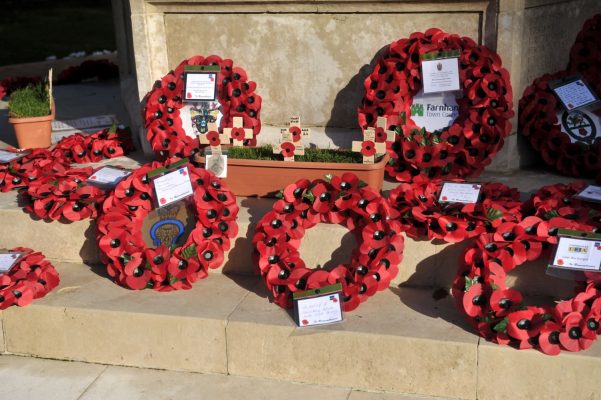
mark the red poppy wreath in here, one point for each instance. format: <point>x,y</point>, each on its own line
<point>340,200</point>
<point>422,215</point>
<point>235,93</point>
<point>568,142</point>
<point>499,313</point>
<point>166,267</point>
<point>32,277</point>
<point>465,147</point>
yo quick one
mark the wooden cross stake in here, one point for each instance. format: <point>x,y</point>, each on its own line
<point>383,134</point>
<point>238,133</point>
<point>213,138</point>
<point>297,131</point>
<point>287,147</point>
<point>369,147</point>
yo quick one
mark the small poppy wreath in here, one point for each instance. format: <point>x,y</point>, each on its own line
<point>235,93</point>
<point>20,172</point>
<point>499,314</point>
<point>64,195</point>
<point>32,277</point>
<point>468,145</point>
<point>422,215</point>
<point>338,200</point>
<point>133,265</point>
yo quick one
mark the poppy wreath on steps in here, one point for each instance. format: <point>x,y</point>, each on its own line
<point>469,143</point>
<point>32,277</point>
<point>235,93</point>
<point>340,200</point>
<point>130,263</point>
<point>556,204</point>
<point>539,124</point>
<point>423,216</point>
<point>498,312</point>
<point>20,172</point>
<point>64,195</point>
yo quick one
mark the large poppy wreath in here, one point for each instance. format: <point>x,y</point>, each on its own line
<point>569,143</point>
<point>167,267</point>
<point>465,147</point>
<point>31,278</point>
<point>235,93</point>
<point>342,200</point>
<point>422,215</point>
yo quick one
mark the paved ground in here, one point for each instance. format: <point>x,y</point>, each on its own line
<point>34,378</point>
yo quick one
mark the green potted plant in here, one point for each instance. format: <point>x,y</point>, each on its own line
<point>31,111</point>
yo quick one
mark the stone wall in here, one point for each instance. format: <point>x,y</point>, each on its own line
<point>311,57</point>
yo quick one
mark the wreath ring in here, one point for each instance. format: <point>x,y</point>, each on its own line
<point>469,143</point>
<point>235,92</point>
<point>339,200</point>
<point>32,277</point>
<point>167,267</point>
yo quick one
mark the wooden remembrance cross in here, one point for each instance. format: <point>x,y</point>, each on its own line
<point>291,140</point>
<point>238,133</point>
<point>215,145</point>
<point>369,147</point>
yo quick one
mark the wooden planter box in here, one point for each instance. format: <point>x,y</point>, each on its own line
<point>266,178</point>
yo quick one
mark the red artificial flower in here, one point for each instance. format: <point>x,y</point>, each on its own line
<point>524,324</point>
<point>368,148</point>
<point>213,138</point>
<point>296,133</point>
<point>288,149</point>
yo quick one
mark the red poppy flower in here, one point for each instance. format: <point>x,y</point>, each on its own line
<point>524,324</point>
<point>368,148</point>
<point>296,133</point>
<point>503,302</point>
<point>288,149</point>
<point>213,138</point>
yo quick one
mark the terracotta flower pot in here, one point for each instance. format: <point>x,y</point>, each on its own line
<point>266,178</point>
<point>34,132</point>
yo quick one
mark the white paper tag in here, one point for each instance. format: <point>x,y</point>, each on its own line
<point>575,94</point>
<point>581,254</point>
<point>8,260</point>
<point>216,163</point>
<point>8,156</point>
<point>435,111</point>
<point>200,86</point>
<point>591,193</point>
<point>466,193</point>
<point>440,75</point>
<point>173,186</point>
<point>319,310</point>
<point>108,176</point>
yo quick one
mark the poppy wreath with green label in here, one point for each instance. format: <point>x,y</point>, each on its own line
<point>469,143</point>
<point>422,215</point>
<point>499,313</point>
<point>340,200</point>
<point>132,264</point>
<point>235,92</point>
<point>577,153</point>
<point>32,277</point>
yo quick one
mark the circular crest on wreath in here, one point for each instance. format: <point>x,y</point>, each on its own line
<point>464,147</point>
<point>173,262</point>
<point>337,200</point>
<point>236,95</point>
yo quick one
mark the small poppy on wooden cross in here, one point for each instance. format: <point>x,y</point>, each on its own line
<point>296,130</point>
<point>369,147</point>
<point>238,133</point>
<point>287,147</point>
<point>213,138</point>
<point>382,134</point>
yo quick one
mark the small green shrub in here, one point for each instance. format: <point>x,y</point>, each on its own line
<point>31,101</point>
<point>311,155</point>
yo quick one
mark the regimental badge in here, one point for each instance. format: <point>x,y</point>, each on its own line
<point>579,126</point>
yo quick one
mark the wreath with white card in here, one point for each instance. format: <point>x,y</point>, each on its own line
<point>164,108</point>
<point>458,148</point>
<point>175,262</point>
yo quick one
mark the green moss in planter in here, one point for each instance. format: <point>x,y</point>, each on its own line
<point>311,155</point>
<point>32,101</point>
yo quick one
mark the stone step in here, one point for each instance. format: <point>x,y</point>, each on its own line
<point>36,378</point>
<point>403,340</point>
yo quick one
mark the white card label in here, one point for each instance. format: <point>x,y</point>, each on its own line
<point>591,192</point>
<point>434,111</point>
<point>173,186</point>
<point>575,94</point>
<point>7,261</point>
<point>8,156</point>
<point>582,254</point>
<point>108,176</point>
<point>217,164</point>
<point>319,310</point>
<point>466,193</point>
<point>441,75</point>
<point>200,86</point>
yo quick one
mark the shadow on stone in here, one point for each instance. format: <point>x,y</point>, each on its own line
<point>89,252</point>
